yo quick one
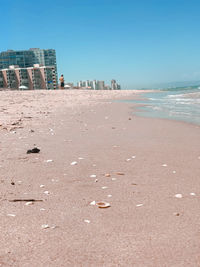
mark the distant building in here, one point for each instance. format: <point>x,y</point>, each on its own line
<point>36,77</point>
<point>115,85</point>
<point>98,85</point>
<point>27,58</point>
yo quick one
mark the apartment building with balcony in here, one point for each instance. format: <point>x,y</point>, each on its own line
<point>36,77</point>
<point>27,58</point>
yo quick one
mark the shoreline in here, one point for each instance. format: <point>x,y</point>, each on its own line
<point>146,224</point>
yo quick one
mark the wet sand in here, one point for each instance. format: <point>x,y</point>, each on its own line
<point>147,223</point>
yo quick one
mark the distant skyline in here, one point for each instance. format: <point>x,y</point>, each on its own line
<point>138,43</point>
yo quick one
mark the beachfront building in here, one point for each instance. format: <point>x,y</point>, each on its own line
<point>1,80</point>
<point>27,58</point>
<point>98,85</point>
<point>115,85</point>
<point>36,77</point>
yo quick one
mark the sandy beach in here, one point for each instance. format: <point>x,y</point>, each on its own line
<point>92,150</point>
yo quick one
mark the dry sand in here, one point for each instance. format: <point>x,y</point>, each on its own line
<point>146,224</point>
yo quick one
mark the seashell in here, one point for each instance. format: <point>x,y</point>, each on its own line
<point>103,205</point>
<point>178,195</point>
<point>74,163</point>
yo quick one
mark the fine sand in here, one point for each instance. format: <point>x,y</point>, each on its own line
<point>94,149</point>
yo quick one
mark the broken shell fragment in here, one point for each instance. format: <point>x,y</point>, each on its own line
<point>74,163</point>
<point>119,173</point>
<point>45,226</point>
<point>103,205</point>
<point>87,221</point>
<point>104,187</point>
<point>29,203</point>
<point>93,176</point>
<point>49,160</point>
<point>107,175</point>
<point>139,205</point>
<point>178,195</point>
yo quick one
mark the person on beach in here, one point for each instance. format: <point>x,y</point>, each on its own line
<point>62,82</point>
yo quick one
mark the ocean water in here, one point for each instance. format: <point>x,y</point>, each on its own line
<point>182,104</point>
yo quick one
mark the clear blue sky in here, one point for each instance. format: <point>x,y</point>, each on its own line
<point>137,42</point>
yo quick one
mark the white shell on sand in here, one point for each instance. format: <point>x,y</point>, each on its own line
<point>42,185</point>
<point>139,205</point>
<point>128,159</point>
<point>104,187</point>
<point>133,157</point>
<point>11,215</point>
<point>174,171</point>
<point>178,195</point>
<point>192,194</point>
<point>45,226</point>
<point>109,196</point>
<point>42,209</point>
<point>113,179</point>
<point>87,221</point>
<point>29,203</point>
<point>164,165</point>
<point>93,176</point>
<point>46,192</point>
<point>74,163</point>
<point>93,203</point>
<point>49,160</point>
<point>80,158</point>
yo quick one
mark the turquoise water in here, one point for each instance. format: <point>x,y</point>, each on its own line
<point>181,104</point>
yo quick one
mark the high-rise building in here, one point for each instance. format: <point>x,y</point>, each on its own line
<point>115,85</point>
<point>27,58</point>
<point>100,85</point>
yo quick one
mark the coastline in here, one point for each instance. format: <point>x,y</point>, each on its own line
<point>145,225</point>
